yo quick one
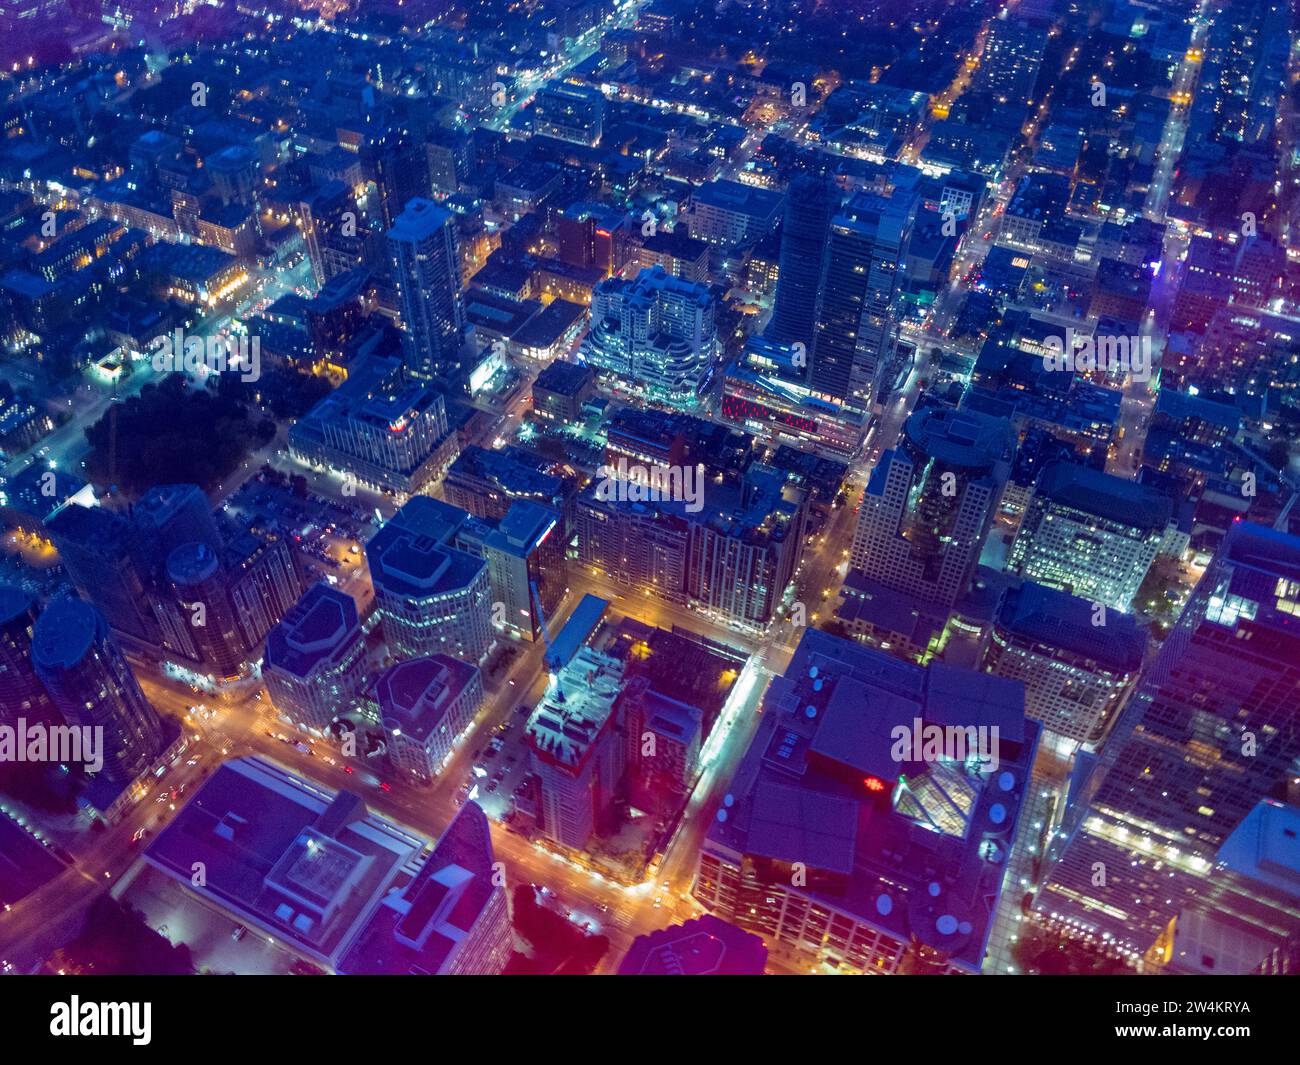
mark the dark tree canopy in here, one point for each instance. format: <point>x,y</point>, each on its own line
<point>172,433</point>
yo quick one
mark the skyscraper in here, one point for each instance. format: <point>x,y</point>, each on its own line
<point>810,204</point>
<point>91,684</point>
<point>854,340</point>
<point>167,516</point>
<point>201,586</point>
<point>424,705</point>
<point>1013,52</point>
<point>576,753</point>
<point>379,426</point>
<point>333,230</point>
<point>1211,731</point>
<point>21,692</point>
<point>426,269</point>
<point>394,159</point>
<point>315,658</point>
<point>1077,675</point>
<point>96,548</point>
<point>432,597</point>
<point>929,502</point>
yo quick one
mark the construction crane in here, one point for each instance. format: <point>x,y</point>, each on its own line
<point>553,665</point>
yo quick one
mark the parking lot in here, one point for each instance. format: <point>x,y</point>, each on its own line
<point>498,777</point>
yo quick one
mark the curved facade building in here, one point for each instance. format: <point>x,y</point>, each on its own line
<point>21,693</point>
<point>433,598</point>
<point>90,683</point>
<point>656,331</point>
<point>199,582</point>
<point>315,658</point>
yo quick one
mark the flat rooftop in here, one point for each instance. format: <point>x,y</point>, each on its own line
<point>302,862</point>
<point>924,855</point>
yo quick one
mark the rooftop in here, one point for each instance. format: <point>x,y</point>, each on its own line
<point>704,946</point>
<point>925,854</point>
<point>1060,620</point>
<point>304,863</point>
<point>415,696</point>
<point>312,631</point>
<point>1105,496</point>
<point>417,927</point>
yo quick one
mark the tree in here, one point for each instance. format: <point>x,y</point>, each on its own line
<point>172,433</point>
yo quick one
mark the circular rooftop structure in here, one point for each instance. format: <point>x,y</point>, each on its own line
<point>192,564</point>
<point>64,634</point>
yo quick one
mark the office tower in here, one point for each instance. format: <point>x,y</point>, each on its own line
<point>660,773</point>
<point>21,693</point>
<point>591,235</point>
<point>333,230</point>
<point>21,17</point>
<point>424,705</point>
<point>1210,732</point>
<point>525,549</point>
<point>1248,924</point>
<point>264,583</point>
<point>380,427</point>
<point>1091,533</point>
<point>1205,285</point>
<point>856,858</point>
<point>486,481</point>
<point>315,658</point>
<point>201,587</point>
<point>450,155</point>
<point>451,919</point>
<point>681,256</point>
<point>929,504</point>
<point>90,684</point>
<point>1077,674</point>
<point>96,548</point>
<point>569,112</point>
<point>1261,262</point>
<point>426,270</point>
<point>394,160</point>
<point>854,341</point>
<point>745,545</point>
<point>576,749</point>
<point>235,172</point>
<point>702,946</point>
<point>642,546</point>
<point>561,391</point>
<point>432,598</point>
<point>656,332</point>
<point>810,204</point>
<point>733,557</point>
